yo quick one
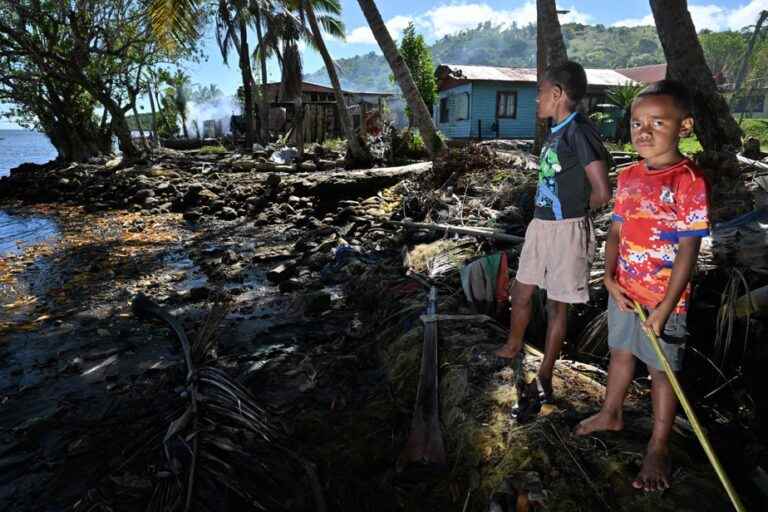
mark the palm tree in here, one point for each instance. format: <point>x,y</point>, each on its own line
<point>357,150</point>
<point>550,51</point>
<point>181,82</point>
<point>281,40</point>
<point>715,127</point>
<point>232,31</point>
<point>177,22</point>
<point>258,20</point>
<point>421,114</point>
<point>623,96</point>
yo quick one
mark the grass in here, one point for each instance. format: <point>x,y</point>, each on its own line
<point>688,146</point>
<point>757,128</point>
<point>213,150</point>
<point>338,145</point>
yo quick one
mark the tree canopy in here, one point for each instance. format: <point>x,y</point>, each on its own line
<point>418,58</point>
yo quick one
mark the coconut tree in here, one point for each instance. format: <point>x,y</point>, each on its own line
<point>281,40</point>
<point>258,11</point>
<point>232,23</point>
<point>177,22</point>
<point>330,9</point>
<point>180,83</point>
<point>421,115</point>
<point>550,51</point>
<point>714,126</point>
<point>623,96</point>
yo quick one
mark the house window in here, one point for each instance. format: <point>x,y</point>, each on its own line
<point>461,107</point>
<point>506,104</point>
<point>444,113</point>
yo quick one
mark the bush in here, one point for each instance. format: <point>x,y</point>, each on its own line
<point>757,128</point>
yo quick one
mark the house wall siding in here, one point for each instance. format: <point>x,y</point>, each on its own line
<point>483,109</point>
<point>454,129</point>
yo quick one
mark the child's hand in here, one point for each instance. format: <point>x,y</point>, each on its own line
<point>619,295</point>
<point>657,320</point>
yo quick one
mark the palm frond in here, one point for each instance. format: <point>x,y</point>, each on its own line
<point>333,26</point>
<point>326,6</point>
<point>623,95</point>
<point>176,22</point>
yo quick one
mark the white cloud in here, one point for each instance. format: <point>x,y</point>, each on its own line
<point>712,17</point>
<point>635,22</point>
<point>452,18</point>
<point>363,35</point>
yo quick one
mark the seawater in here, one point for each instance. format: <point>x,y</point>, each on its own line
<point>17,231</point>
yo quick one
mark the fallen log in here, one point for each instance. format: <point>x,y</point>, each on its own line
<point>334,186</point>
<point>753,163</point>
<point>496,234</point>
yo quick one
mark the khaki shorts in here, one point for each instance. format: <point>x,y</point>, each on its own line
<point>557,256</point>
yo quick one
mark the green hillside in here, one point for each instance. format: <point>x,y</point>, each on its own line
<point>594,46</point>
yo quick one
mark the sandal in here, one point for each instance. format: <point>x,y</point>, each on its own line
<point>544,388</point>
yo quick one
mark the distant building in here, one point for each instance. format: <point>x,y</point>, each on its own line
<point>484,102</point>
<point>645,74</point>
<point>320,114</point>
<point>753,103</point>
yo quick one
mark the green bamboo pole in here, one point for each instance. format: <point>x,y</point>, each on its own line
<point>737,504</point>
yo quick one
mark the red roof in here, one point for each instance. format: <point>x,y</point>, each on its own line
<point>646,74</point>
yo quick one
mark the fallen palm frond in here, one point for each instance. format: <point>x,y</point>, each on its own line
<point>594,338</point>
<point>727,315</point>
<point>224,443</point>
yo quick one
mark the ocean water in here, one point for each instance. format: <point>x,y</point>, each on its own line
<point>16,230</point>
<point>19,146</point>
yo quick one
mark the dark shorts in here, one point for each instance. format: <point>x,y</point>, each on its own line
<point>625,332</point>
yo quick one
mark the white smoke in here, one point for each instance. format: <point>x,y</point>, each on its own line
<point>218,110</point>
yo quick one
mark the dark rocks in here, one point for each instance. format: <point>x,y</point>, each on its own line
<point>192,215</point>
<point>281,272</point>
<point>199,293</point>
<point>142,195</point>
<point>230,257</point>
<point>316,302</point>
<point>228,213</point>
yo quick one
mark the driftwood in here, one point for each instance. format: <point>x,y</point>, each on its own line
<point>496,234</point>
<point>753,163</point>
<point>425,442</point>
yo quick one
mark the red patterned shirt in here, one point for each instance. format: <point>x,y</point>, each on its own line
<point>656,208</point>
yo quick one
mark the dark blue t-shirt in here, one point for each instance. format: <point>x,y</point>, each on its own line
<point>563,190</point>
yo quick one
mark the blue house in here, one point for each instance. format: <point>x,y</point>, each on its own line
<point>484,102</point>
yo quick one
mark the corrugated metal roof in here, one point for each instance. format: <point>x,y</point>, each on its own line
<point>604,77</point>
<point>646,74</point>
<point>313,87</point>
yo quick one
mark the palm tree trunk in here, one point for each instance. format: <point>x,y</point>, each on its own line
<point>264,106</point>
<point>421,114</point>
<point>550,51</point>
<point>245,69</point>
<point>138,123</point>
<point>155,139</point>
<point>745,59</point>
<point>714,125</point>
<point>184,125</point>
<point>357,152</point>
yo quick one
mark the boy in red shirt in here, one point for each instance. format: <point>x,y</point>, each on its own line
<point>660,216</point>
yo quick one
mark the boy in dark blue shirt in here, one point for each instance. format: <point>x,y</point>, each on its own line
<point>559,246</point>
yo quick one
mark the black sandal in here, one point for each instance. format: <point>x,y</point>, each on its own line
<point>545,391</point>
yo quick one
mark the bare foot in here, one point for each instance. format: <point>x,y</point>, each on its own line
<point>603,420</point>
<point>509,350</point>
<point>654,475</point>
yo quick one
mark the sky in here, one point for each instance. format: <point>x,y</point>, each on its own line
<point>435,19</point>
